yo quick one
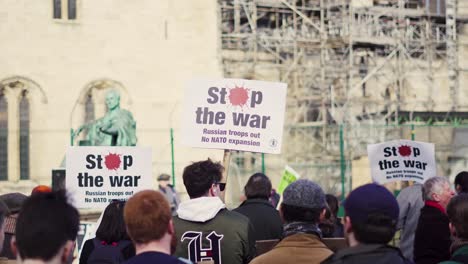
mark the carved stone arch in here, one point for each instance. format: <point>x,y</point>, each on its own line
<point>14,87</point>
<point>6,91</point>
<point>16,84</point>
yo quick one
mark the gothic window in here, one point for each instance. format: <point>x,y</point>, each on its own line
<point>57,4</point>
<point>3,137</point>
<point>68,7</point>
<point>24,136</point>
<point>71,9</point>
<point>89,108</point>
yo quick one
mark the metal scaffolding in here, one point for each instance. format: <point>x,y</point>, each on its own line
<point>346,62</point>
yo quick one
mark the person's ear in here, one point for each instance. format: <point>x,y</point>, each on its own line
<point>213,190</point>
<point>67,252</point>
<point>170,228</point>
<point>281,213</point>
<point>322,216</point>
<point>458,188</point>
<point>13,247</point>
<point>452,229</point>
<point>348,226</point>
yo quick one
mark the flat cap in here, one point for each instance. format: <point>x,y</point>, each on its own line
<point>304,193</point>
<point>13,201</point>
<point>164,177</point>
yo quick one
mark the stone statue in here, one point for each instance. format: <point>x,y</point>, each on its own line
<point>116,128</point>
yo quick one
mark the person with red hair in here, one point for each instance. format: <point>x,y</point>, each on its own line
<point>41,189</point>
<point>149,224</point>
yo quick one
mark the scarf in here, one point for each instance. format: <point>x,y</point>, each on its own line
<point>436,205</point>
<point>301,228</point>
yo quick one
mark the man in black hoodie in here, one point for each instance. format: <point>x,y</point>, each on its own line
<point>370,223</point>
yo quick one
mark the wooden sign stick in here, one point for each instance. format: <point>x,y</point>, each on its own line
<point>226,162</point>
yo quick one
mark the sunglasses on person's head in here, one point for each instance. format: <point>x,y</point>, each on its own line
<point>222,185</point>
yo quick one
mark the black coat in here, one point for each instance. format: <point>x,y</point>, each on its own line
<point>264,217</point>
<point>368,254</point>
<point>432,239</point>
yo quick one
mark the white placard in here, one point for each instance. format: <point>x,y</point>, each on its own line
<point>97,175</point>
<point>401,160</point>
<point>234,114</point>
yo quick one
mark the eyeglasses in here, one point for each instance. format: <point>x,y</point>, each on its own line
<point>222,185</point>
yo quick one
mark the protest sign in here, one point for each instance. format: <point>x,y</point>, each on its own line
<point>401,160</point>
<point>289,176</point>
<point>97,175</point>
<point>234,114</point>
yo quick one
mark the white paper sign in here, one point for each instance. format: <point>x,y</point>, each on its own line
<point>402,160</point>
<point>234,114</point>
<point>97,175</point>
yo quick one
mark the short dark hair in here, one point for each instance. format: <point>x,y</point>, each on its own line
<point>147,216</point>
<point>258,186</point>
<point>327,225</point>
<point>293,213</point>
<point>112,226</point>
<point>457,211</point>
<point>199,176</point>
<point>378,229</point>
<point>45,223</point>
<point>462,180</point>
<point>332,203</point>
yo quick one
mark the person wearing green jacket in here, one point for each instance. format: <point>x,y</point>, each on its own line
<point>205,229</point>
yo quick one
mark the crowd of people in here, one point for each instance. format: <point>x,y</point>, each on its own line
<point>155,227</point>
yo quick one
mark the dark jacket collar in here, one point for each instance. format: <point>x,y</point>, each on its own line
<point>256,201</point>
<point>362,249</point>
<point>302,240</point>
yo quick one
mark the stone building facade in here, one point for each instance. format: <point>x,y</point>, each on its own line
<point>58,58</point>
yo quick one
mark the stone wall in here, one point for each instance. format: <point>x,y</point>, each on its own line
<point>151,48</point>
